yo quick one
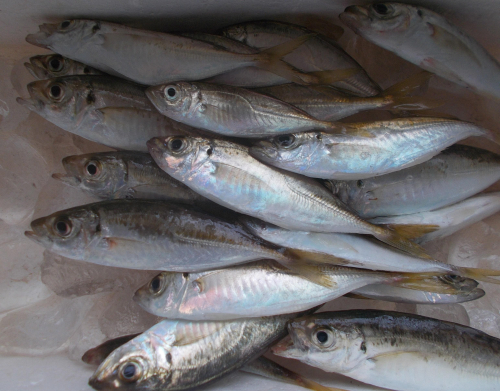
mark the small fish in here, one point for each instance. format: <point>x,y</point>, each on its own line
<point>452,176</point>
<point>261,289</point>
<point>232,111</point>
<point>121,51</point>
<point>225,173</point>
<point>429,41</point>
<point>104,109</point>
<point>466,291</point>
<point>125,174</point>
<point>449,219</point>
<point>178,355</point>
<point>150,235</point>
<point>393,146</point>
<point>319,53</point>
<point>53,65</point>
<point>395,350</point>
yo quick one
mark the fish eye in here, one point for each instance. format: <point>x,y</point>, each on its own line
<point>55,63</point>
<point>56,92</point>
<point>65,24</point>
<point>177,144</point>
<point>156,284</point>
<point>360,184</point>
<point>323,337</point>
<point>130,371</point>
<point>63,227</point>
<point>286,140</point>
<point>382,8</point>
<point>93,168</point>
<point>170,92</point>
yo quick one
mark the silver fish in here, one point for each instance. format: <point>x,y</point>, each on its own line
<point>452,176</point>
<point>178,355</point>
<point>149,235</point>
<point>467,292</point>
<point>394,146</point>
<point>258,289</point>
<point>449,219</point>
<point>125,174</point>
<point>317,54</point>
<point>225,173</point>
<point>121,51</point>
<point>428,40</point>
<point>53,65</point>
<point>396,350</point>
<point>103,109</point>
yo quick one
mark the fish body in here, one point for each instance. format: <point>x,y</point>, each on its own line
<point>429,41</point>
<point>178,355</point>
<point>148,235</point>
<point>450,219</point>
<point>103,109</point>
<point>125,174</point>
<point>452,176</point>
<point>394,146</point>
<point>48,66</point>
<point>317,54</point>
<point>258,289</point>
<point>396,350</point>
<point>230,111</point>
<point>122,50</point>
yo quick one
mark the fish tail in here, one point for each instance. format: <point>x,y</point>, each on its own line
<point>270,60</point>
<point>492,135</point>
<point>312,385</point>
<point>409,85</point>
<point>413,231</point>
<point>333,76</point>
<point>483,275</point>
<point>425,281</point>
<point>397,239</point>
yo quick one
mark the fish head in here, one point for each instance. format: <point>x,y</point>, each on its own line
<point>49,66</point>
<point>327,345</point>
<point>101,174</point>
<point>181,156</point>
<point>161,295</point>
<point>380,19</point>
<point>68,232</point>
<point>143,363</point>
<point>238,32</point>
<point>65,37</point>
<point>175,100</point>
<point>287,148</point>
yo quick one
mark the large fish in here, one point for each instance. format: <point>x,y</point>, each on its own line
<point>428,40</point>
<point>319,53</point>
<point>394,146</point>
<point>48,66</point>
<point>149,57</point>
<point>178,355</point>
<point>260,289</point>
<point>225,173</point>
<point>452,176</point>
<point>395,350</point>
<point>104,109</point>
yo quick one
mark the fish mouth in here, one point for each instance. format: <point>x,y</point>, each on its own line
<point>156,96</point>
<point>264,150</point>
<point>353,15</point>
<point>35,71</point>
<point>286,348</point>
<point>156,146</point>
<point>33,236</point>
<point>41,38</point>
<point>67,179</point>
<point>31,104</point>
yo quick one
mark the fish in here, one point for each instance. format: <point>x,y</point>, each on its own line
<point>395,350</point>
<point>261,288</point>
<point>126,175</point>
<point>467,291</point>
<point>225,173</point>
<point>104,109</point>
<point>233,111</point>
<point>319,53</point>
<point>329,104</point>
<point>150,235</point>
<point>394,145</point>
<point>48,66</point>
<point>261,366</point>
<point>178,355</point>
<point>120,50</point>
<point>357,251</point>
<point>449,219</point>
<point>455,174</point>
<point>428,40</point>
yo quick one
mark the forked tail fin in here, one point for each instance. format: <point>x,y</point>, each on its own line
<point>399,238</point>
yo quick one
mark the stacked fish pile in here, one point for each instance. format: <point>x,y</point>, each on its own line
<point>234,180</point>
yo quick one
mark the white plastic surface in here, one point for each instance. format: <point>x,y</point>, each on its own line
<point>42,335</point>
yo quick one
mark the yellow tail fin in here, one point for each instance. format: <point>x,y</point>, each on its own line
<point>483,275</point>
<point>412,231</point>
<point>333,76</point>
<point>409,85</point>
<point>398,238</point>
<point>427,282</point>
